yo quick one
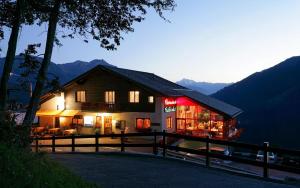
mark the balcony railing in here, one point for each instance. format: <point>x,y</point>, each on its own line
<point>118,107</point>
<point>88,106</point>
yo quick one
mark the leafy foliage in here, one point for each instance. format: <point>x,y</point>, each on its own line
<point>1,37</point>
<point>31,64</point>
<point>105,21</point>
<point>13,134</point>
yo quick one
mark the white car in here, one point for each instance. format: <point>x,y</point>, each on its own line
<point>260,156</point>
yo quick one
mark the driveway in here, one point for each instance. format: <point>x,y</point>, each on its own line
<point>125,170</point>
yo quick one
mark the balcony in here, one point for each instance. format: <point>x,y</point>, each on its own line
<point>119,107</point>
<point>98,106</point>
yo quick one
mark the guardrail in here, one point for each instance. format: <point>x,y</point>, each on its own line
<point>161,143</point>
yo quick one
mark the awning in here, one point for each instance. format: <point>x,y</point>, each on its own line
<point>48,112</point>
<point>69,113</point>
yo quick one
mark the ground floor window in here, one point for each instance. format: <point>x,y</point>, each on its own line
<point>169,122</point>
<point>143,123</point>
<point>88,121</point>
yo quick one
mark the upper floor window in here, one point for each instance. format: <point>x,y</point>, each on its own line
<point>80,96</point>
<point>110,97</point>
<point>151,99</point>
<point>134,96</point>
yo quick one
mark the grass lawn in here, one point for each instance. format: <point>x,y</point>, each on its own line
<point>19,168</point>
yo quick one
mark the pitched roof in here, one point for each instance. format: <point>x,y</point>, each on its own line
<point>167,88</point>
<point>149,80</point>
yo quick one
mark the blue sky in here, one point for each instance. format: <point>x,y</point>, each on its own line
<point>207,40</point>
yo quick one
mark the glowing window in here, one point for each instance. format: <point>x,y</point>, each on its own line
<point>151,99</point>
<point>143,123</point>
<point>80,96</point>
<point>110,97</point>
<point>134,96</point>
<point>169,122</point>
<point>88,121</point>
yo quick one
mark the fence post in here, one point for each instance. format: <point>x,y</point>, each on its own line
<point>154,144</point>
<point>207,152</point>
<point>73,143</point>
<point>122,141</point>
<point>164,143</point>
<point>36,144</point>
<point>97,142</point>
<point>53,143</point>
<point>266,160</point>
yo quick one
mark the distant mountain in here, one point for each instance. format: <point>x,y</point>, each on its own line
<point>65,72</point>
<point>203,87</point>
<point>76,68</point>
<point>271,103</point>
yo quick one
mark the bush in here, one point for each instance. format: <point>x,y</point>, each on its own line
<point>13,134</point>
<point>20,168</point>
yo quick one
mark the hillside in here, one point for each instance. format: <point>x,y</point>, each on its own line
<point>65,72</point>
<point>203,87</point>
<point>270,100</point>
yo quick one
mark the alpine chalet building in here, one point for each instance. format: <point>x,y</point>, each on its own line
<point>108,99</point>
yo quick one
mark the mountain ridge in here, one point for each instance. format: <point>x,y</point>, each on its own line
<point>270,101</point>
<point>203,87</point>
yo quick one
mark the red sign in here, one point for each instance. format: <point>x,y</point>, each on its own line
<point>170,102</point>
<point>170,105</point>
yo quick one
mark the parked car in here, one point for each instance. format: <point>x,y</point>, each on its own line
<point>271,156</point>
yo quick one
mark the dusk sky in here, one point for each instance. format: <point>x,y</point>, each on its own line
<point>207,40</point>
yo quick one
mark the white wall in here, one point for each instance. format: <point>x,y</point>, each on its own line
<point>51,104</point>
<point>158,117</point>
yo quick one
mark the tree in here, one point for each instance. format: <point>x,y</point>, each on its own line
<point>10,55</point>
<point>12,15</point>
<point>104,20</point>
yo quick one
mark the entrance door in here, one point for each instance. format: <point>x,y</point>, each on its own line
<point>57,123</point>
<point>107,124</point>
<point>98,124</point>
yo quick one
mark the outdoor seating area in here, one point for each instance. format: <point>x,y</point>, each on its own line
<point>43,131</point>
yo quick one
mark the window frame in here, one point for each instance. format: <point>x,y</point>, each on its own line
<point>92,121</point>
<point>108,97</point>
<point>136,96</point>
<point>143,125</point>
<point>76,96</point>
<point>152,99</point>
<point>169,122</point>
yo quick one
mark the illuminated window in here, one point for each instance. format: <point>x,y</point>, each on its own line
<point>110,97</point>
<point>169,122</point>
<point>80,96</point>
<point>134,96</point>
<point>143,123</point>
<point>151,99</point>
<point>88,121</point>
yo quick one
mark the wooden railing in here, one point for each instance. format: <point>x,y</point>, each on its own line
<point>100,106</point>
<point>160,141</point>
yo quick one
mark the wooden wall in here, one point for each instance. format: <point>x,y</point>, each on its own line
<point>99,81</point>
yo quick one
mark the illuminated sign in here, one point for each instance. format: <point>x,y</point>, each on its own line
<point>170,105</point>
<point>170,102</point>
<point>170,109</point>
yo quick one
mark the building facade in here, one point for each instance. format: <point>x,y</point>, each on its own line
<point>108,100</point>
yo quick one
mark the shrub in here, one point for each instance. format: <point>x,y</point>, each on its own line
<point>20,168</point>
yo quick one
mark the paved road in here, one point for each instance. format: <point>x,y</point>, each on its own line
<point>113,170</point>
